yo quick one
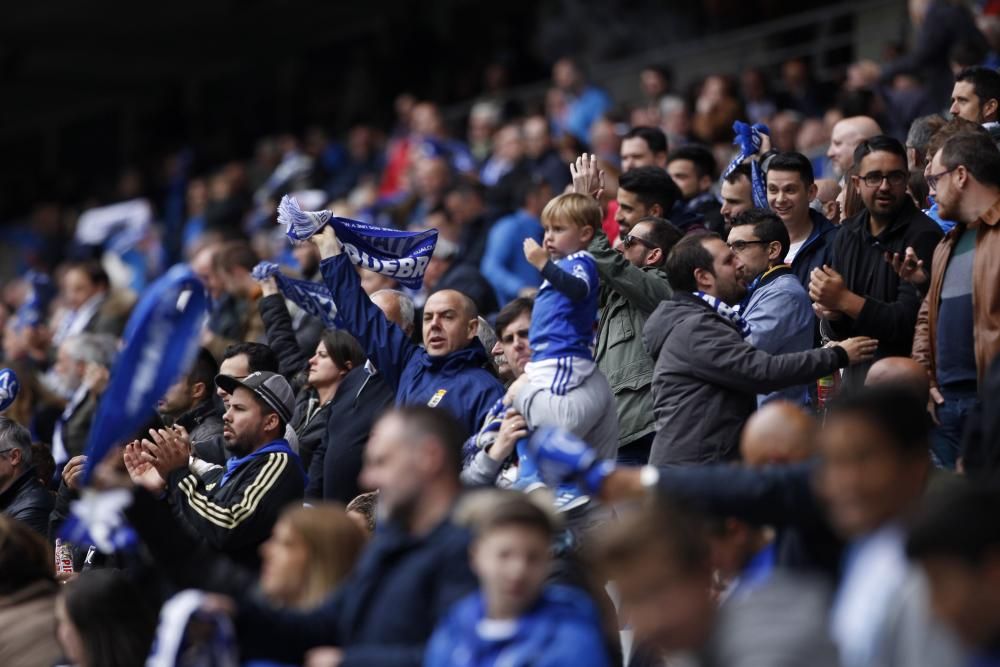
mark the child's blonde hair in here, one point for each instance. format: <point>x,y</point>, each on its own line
<point>578,209</point>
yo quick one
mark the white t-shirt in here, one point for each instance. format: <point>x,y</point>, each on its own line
<point>793,250</point>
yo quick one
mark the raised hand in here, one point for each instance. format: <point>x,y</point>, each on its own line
<point>588,179</point>
<point>535,254</point>
<point>167,450</point>
<point>908,266</point>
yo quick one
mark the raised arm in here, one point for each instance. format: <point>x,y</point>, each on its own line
<point>643,289</point>
<point>385,343</point>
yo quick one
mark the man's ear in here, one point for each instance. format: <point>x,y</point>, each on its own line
<point>704,183</point>
<point>657,211</point>
<point>813,191</point>
<point>473,328</point>
<point>774,252</point>
<point>272,421</point>
<point>198,391</point>
<point>655,257</point>
<point>704,278</point>
<point>990,107</point>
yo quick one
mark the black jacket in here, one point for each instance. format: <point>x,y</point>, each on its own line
<point>203,422</point>
<point>891,305</point>
<point>336,463</point>
<point>383,615</point>
<point>28,501</point>
<point>237,517</point>
<point>817,249</point>
<point>706,379</point>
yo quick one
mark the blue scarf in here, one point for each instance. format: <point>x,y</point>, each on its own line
<point>727,312</point>
<point>748,140</point>
<point>233,464</point>
<point>161,340</point>
<point>401,255</point>
<point>40,294</point>
<point>314,298</point>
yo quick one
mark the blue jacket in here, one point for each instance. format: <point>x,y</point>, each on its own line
<point>781,320</point>
<point>457,382</point>
<point>382,615</point>
<point>503,263</point>
<point>817,249</point>
<point>563,628</point>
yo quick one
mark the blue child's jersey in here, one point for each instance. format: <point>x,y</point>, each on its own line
<point>560,326</point>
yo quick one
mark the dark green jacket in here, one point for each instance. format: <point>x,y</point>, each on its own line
<point>628,296</point>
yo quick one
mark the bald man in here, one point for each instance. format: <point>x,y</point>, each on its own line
<point>449,373</point>
<point>901,371</point>
<point>779,433</point>
<point>827,199</point>
<point>846,136</point>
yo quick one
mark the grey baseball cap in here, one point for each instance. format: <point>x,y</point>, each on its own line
<point>271,388</point>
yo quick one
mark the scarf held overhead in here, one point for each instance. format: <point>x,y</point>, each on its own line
<point>161,339</point>
<point>400,255</point>
<point>313,298</point>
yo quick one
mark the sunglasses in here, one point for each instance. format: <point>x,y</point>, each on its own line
<point>629,240</point>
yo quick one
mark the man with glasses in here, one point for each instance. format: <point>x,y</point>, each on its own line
<point>859,293</point>
<point>776,307</point>
<point>632,285</point>
<point>958,329</point>
<point>22,495</point>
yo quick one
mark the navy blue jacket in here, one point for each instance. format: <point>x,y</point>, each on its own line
<point>457,382</point>
<point>562,628</point>
<point>383,614</point>
<point>817,249</point>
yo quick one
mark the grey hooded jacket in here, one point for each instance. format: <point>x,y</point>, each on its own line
<point>706,379</point>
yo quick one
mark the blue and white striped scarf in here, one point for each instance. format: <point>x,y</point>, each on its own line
<point>748,139</point>
<point>313,298</point>
<point>727,312</point>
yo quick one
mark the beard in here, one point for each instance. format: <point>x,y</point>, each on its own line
<point>238,444</point>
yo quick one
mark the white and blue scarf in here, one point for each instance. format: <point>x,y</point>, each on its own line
<point>727,312</point>
<point>401,255</point>
<point>748,140</point>
<point>313,298</point>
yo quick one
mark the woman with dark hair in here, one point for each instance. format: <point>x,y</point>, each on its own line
<point>336,354</point>
<point>103,621</point>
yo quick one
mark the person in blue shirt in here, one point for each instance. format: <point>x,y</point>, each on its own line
<point>515,619</point>
<point>449,373</point>
<point>562,385</point>
<point>503,265</point>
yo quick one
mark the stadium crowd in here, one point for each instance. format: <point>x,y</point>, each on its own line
<point>651,400</point>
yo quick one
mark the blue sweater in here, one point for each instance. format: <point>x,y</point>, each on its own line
<point>562,628</point>
<point>504,264</point>
<point>456,382</point>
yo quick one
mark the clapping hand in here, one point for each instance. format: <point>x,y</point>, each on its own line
<point>588,179</point>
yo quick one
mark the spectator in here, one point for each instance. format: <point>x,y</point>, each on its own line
<point>858,293</point>
<point>960,560</point>
<point>633,285</point>
<point>233,263</point>
<point>692,168</point>
<point>361,397</point>
<point>976,97</point>
<point>543,160</point>
<point>449,373</point>
<point>83,364</point>
<point>511,555</point>
<point>937,140</point>
<point>846,136</point>
<point>415,567</point>
<point>104,620</point>
<point>644,192</point>
<point>954,337</point>
<point>706,375</point>
<point>779,433</point>
<point>776,306</point>
<point>503,263</point>
<point>921,131</point>
<point>644,147</point>
<point>447,272</point>
<point>22,495</point>
<point>584,103</point>
<point>790,188</point>
<point>232,509</point>
<point>736,194</point>
<point>27,597</point>
<point>469,212</point>
<point>91,305</point>
<point>191,402</point>
<point>562,385</point>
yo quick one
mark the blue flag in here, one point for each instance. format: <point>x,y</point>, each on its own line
<point>98,518</point>
<point>401,255</point>
<point>314,298</point>
<point>40,294</point>
<point>161,340</point>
